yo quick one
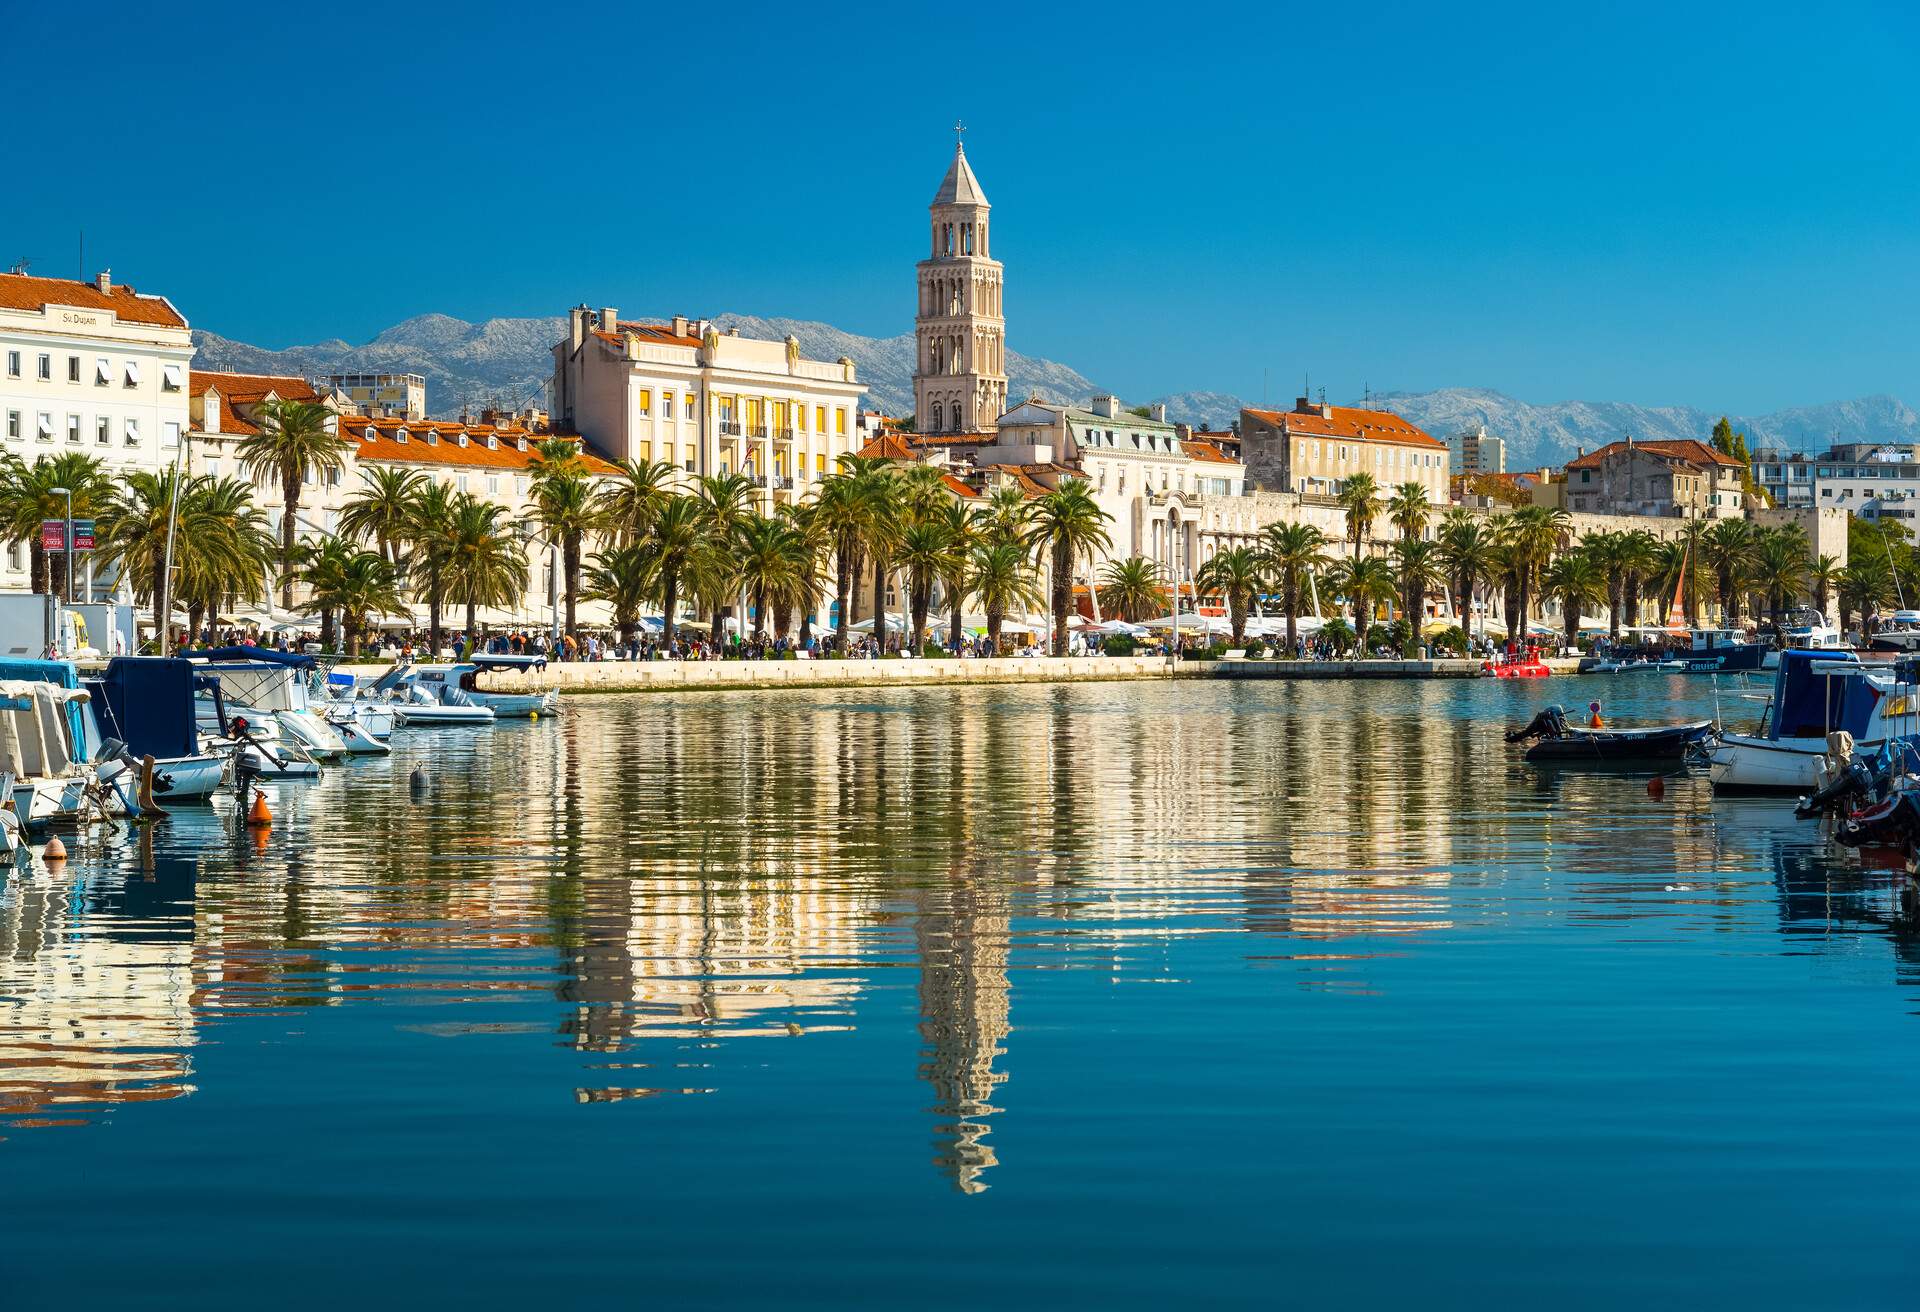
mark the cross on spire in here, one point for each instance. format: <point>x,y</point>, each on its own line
<point>959,132</point>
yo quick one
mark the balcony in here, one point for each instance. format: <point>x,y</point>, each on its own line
<point>784,434</point>
<point>758,431</point>
<point>730,428</point>
<point>781,482</point>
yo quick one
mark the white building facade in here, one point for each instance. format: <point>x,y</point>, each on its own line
<point>93,368</point>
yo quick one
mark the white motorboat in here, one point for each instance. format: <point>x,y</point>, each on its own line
<point>1816,693</point>
<point>265,687</point>
<point>463,677</point>
<point>43,742</point>
<point>364,725</point>
<point>427,702</point>
<point>1639,665</point>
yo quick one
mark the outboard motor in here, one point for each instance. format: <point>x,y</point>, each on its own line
<point>1852,785</point>
<point>1550,723</point>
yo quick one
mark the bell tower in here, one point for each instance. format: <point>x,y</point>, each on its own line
<point>960,370</point>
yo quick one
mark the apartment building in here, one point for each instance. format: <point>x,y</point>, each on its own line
<point>1315,448</point>
<point>1874,480</point>
<point>686,394</point>
<point>1688,479</point>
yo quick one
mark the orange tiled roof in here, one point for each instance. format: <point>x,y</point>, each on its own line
<point>887,446</point>
<point>952,439</point>
<point>647,332</point>
<point>1687,451</point>
<point>20,291</point>
<point>959,488</point>
<point>250,387</point>
<point>1022,479</point>
<point>1351,423</point>
<point>1207,451</point>
<point>378,439</point>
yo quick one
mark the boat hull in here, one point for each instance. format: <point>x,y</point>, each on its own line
<point>437,716</point>
<point>1625,746</point>
<point>517,706</point>
<point>1737,763</point>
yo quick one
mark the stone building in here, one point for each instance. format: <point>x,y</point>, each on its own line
<point>1315,449</point>
<point>1687,479</point>
<point>960,365</point>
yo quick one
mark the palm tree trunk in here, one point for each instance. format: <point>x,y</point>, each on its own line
<point>1292,601</point>
<point>1237,615</point>
<point>880,602</point>
<point>843,597</point>
<point>42,581</point>
<point>570,558</point>
<point>196,616</point>
<point>759,614</point>
<point>290,495</point>
<point>1062,595</point>
<point>994,617</point>
<point>953,623</point>
<point>326,628</point>
<point>435,599</point>
<point>669,602</point>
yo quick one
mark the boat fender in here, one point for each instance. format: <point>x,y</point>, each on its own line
<point>1656,788</point>
<point>417,781</point>
<point>55,850</point>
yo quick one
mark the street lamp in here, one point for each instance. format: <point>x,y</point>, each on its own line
<point>68,494</point>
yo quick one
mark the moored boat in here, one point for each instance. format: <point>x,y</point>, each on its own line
<point>1816,693</point>
<point>1556,740</point>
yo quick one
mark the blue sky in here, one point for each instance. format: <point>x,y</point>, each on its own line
<point>1716,206</point>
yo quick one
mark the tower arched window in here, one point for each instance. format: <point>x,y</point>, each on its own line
<point>967,239</point>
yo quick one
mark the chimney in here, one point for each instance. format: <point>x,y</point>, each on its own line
<point>609,320</point>
<point>104,281</point>
<point>734,331</point>
<point>1106,405</point>
<point>1183,431</point>
<point>1160,412</point>
<point>679,325</point>
<point>1304,406</point>
<point>577,325</point>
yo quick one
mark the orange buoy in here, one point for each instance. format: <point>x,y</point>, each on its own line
<point>55,850</point>
<point>1656,788</point>
<point>259,814</point>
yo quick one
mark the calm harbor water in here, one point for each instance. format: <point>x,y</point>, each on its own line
<point>1127,994</point>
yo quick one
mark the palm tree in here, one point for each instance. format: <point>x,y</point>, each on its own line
<point>566,509</point>
<point>383,508</point>
<point>923,554</point>
<point>1607,550</point>
<point>766,566</point>
<point>727,502</point>
<point>1418,565</point>
<point>297,439</point>
<point>676,532</point>
<point>1821,576</point>
<point>323,569</point>
<point>807,545</point>
<point>1002,579</point>
<point>1356,497</point>
<point>1004,517</point>
<point>430,530</point>
<point>629,502</point>
<point>1366,582</point>
<point>1237,574</point>
<point>881,486</point>
<point>1531,533</point>
<point>1729,548</point>
<point>962,532</point>
<point>359,584</point>
<point>1469,554</point>
<point>486,565</point>
<point>1294,554</point>
<point>1672,560</point>
<point>1864,585</point>
<point>1579,581</point>
<point>1409,510</point>
<point>624,578</point>
<point>1135,589</point>
<point>1066,524</point>
<point>1639,557</point>
<point>841,510</point>
<point>219,541</point>
<point>27,497</point>
<point>1779,567</point>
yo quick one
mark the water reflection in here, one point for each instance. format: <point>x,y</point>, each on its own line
<point>673,879</point>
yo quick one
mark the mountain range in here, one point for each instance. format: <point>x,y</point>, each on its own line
<point>505,362</point>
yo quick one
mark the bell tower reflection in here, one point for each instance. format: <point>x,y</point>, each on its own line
<point>961,935</point>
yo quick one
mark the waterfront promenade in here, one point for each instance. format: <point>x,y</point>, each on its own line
<point>669,676</point>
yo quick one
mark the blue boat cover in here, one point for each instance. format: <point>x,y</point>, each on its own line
<point>1809,702</point>
<point>299,660</point>
<point>147,703</point>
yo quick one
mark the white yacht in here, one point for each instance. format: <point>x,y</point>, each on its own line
<point>464,677</point>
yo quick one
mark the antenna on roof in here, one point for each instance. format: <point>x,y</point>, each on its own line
<point>20,265</point>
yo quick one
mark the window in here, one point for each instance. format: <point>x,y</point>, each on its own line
<point>819,419</point>
<point>13,424</point>
<point>73,368</point>
<point>43,425</point>
<point>169,435</point>
<point>102,371</point>
<point>840,422</point>
<point>46,368</point>
<point>13,364</point>
<point>646,402</point>
<point>133,373</point>
<point>170,377</point>
<point>493,483</point>
<point>132,432</point>
<point>73,429</point>
<point>520,484</point>
<point>646,452</point>
<point>100,434</point>
<point>333,478</point>
<point>666,405</point>
<point>213,469</point>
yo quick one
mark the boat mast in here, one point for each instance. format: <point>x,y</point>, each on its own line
<point>166,572</point>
